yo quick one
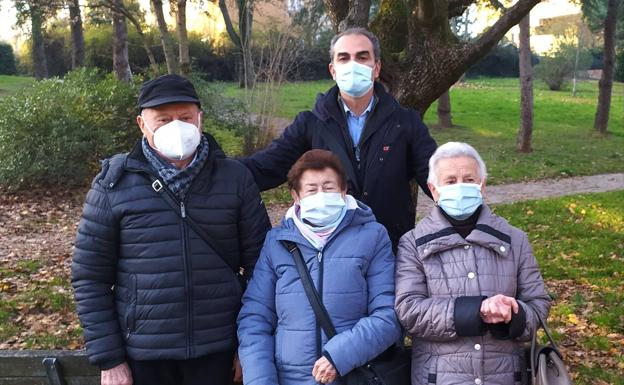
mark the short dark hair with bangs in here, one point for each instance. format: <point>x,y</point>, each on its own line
<point>316,160</point>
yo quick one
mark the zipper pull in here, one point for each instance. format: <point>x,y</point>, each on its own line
<point>182,210</point>
<point>320,255</point>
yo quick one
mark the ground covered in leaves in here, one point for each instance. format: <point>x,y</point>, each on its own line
<point>578,240</point>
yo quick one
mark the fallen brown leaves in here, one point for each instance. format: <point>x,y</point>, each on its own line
<point>36,307</point>
<point>581,341</point>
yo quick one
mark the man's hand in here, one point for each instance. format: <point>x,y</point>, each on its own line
<point>498,309</point>
<point>237,369</point>
<point>119,375</point>
<point>323,371</point>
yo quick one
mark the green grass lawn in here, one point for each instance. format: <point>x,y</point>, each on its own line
<point>486,114</point>
<point>10,83</point>
<point>579,243</point>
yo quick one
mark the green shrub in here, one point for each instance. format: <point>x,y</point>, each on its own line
<point>54,132</point>
<point>558,67</point>
<point>7,59</point>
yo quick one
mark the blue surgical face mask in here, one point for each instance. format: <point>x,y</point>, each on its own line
<point>460,200</point>
<point>322,209</point>
<point>354,79</point>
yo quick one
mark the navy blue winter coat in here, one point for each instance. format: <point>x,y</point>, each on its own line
<point>147,286</point>
<point>279,338</point>
<point>395,148</point>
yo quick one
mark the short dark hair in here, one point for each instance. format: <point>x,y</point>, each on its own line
<point>316,160</point>
<point>357,31</point>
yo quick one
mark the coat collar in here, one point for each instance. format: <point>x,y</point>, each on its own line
<point>490,232</point>
<point>328,107</point>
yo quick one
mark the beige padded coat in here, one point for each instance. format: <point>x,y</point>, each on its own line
<point>441,279</point>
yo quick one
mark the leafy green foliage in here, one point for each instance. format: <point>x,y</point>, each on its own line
<point>56,131</point>
<point>7,59</point>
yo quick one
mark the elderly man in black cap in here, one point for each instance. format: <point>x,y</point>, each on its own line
<point>168,236</point>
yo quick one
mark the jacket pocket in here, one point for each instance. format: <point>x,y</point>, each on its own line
<point>131,308</point>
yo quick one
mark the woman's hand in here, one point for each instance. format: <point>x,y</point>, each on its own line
<point>323,371</point>
<point>498,309</point>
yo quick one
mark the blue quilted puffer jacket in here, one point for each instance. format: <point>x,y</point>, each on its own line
<point>280,339</point>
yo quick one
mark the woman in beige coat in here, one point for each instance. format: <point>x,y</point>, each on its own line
<point>467,283</point>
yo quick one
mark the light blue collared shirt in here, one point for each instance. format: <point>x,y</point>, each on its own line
<point>356,123</point>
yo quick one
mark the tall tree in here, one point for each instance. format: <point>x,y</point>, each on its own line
<point>132,12</point>
<point>165,37</point>
<point>605,85</point>
<point>526,88</point>
<point>121,64</point>
<point>34,12</point>
<point>422,57</point>
<point>77,33</point>
<point>183,42</point>
<point>242,39</point>
<point>444,110</point>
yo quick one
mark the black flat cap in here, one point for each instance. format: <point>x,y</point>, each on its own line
<point>167,89</point>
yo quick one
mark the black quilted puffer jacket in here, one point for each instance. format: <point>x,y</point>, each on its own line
<point>148,287</point>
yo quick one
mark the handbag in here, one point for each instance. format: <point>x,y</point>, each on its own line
<point>392,367</point>
<point>546,362</point>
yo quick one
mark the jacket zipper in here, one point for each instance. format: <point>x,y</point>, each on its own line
<point>188,285</point>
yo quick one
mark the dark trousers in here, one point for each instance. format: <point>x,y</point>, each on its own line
<point>212,369</point>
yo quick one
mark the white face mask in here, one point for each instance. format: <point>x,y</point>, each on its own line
<point>353,78</point>
<point>176,140</point>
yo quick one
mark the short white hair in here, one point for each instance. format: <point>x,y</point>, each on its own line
<point>454,150</point>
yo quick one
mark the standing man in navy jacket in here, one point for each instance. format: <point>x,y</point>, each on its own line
<point>156,297</point>
<point>382,145</point>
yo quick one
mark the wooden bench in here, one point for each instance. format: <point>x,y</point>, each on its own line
<point>47,367</point>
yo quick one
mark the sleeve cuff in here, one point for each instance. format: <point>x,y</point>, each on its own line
<point>331,361</point>
<point>111,364</point>
<point>511,330</point>
<point>467,316</point>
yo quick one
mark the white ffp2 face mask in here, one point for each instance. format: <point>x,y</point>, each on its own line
<point>176,140</point>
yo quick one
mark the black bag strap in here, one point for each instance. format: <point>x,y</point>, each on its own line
<point>178,208</point>
<point>308,285</point>
<point>552,343</point>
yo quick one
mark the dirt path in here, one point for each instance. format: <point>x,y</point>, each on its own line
<point>518,192</point>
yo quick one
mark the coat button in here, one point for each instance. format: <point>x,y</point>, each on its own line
<point>477,347</point>
<point>502,249</point>
<point>365,193</point>
<point>466,247</point>
<point>471,275</point>
<point>478,381</point>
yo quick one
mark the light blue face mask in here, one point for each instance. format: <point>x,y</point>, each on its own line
<point>460,200</point>
<point>354,79</point>
<point>322,209</point>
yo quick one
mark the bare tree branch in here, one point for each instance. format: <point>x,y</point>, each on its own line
<point>513,15</point>
<point>229,27</point>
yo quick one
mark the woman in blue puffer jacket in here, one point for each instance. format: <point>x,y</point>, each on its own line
<point>350,259</point>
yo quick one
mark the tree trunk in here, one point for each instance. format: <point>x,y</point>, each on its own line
<point>38,48</point>
<point>357,16</point>
<point>121,64</point>
<point>422,57</point>
<point>183,43</point>
<point>114,5</point>
<point>526,88</point>
<point>78,48</point>
<point>605,85</point>
<point>245,22</point>
<point>444,110</point>
<point>165,37</point>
